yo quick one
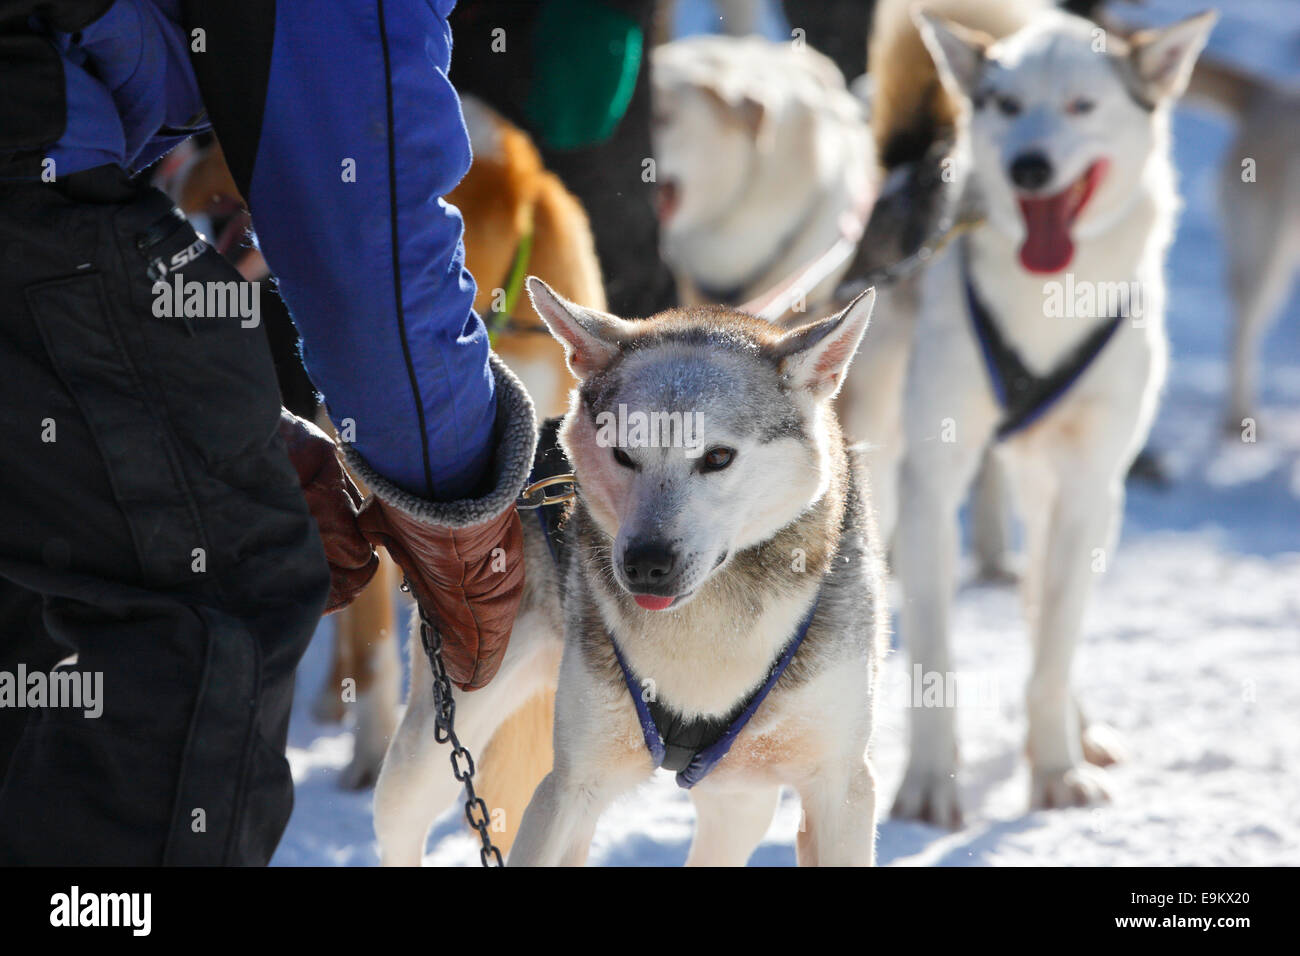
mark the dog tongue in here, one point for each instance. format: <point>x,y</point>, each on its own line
<point>652,603</point>
<point>1047,246</point>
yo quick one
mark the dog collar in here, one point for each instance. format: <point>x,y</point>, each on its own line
<point>1024,396</point>
<point>498,320</point>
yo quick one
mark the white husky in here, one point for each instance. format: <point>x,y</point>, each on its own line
<point>764,169</point>
<point>1044,331</point>
<point>715,588</point>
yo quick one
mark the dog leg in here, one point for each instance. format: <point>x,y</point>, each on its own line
<point>870,404</point>
<point>839,818</point>
<point>378,677</point>
<point>1083,515</point>
<point>1261,257</point>
<point>949,415</point>
<point>416,782</point>
<point>925,553</point>
<point>729,824</point>
<point>991,523</point>
<point>560,821</point>
<point>328,706</point>
<point>1102,744</point>
<point>594,763</point>
<point>376,712</point>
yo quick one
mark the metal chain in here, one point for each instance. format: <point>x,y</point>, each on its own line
<point>445,732</point>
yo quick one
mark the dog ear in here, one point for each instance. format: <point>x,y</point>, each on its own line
<point>958,52</point>
<point>815,357</point>
<point>1161,60</point>
<point>590,338</point>
<point>743,107</point>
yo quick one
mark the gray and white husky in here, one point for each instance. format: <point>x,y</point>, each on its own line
<point>719,544</point>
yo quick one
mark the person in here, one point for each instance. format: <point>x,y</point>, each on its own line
<point>160,518</point>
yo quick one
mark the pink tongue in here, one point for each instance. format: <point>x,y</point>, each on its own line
<point>652,603</point>
<point>1047,246</point>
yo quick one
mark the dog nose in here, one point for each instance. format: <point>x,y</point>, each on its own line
<point>1031,170</point>
<point>648,564</point>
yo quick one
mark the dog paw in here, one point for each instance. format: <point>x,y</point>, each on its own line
<point>1103,745</point>
<point>363,771</point>
<point>1079,786</point>
<point>1236,424</point>
<point>328,707</point>
<point>1001,573</point>
<point>929,796</point>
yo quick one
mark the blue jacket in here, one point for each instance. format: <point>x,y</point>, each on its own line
<point>343,132</point>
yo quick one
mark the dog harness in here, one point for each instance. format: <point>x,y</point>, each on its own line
<point>690,748</point>
<point>1024,396</point>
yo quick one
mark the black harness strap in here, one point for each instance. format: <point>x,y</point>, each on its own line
<point>549,461</point>
<point>683,739</point>
<point>1024,396</point>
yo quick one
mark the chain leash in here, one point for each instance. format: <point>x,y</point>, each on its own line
<point>462,761</point>
<point>444,731</point>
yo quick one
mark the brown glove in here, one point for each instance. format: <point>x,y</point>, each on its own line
<point>463,559</point>
<point>332,499</point>
<point>468,580</point>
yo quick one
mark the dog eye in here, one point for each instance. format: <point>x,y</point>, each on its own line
<point>623,458</point>
<point>1079,106</point>
<point>716,459</point>
<point>1008,106</point>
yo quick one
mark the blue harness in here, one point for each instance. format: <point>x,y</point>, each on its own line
<point>1024,396</point>
<point>694,747</point>
<point>689,748</point>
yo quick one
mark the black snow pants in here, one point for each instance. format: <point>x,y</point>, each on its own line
<point>152,525</point>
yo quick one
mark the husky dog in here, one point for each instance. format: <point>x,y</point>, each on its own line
<point>715,588</point>
<point>1043,331</point>
<point>764,168</point>
<point>1259,207</point>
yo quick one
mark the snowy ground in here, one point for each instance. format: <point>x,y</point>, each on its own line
<point>1193,639</point>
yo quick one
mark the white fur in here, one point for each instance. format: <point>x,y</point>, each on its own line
<point>768,150</point>
<point>704,655</point>
<point>718,643</point>
<point>1068,469</point>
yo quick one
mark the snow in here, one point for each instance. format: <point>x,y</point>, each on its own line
<point>1190,647</point>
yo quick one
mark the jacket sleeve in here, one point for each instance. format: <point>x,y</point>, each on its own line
<point>343,132</point>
